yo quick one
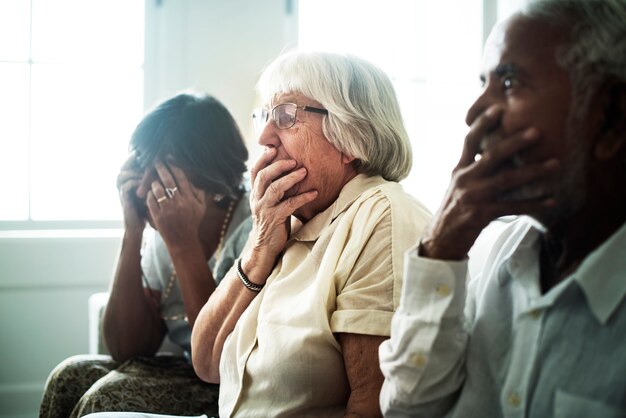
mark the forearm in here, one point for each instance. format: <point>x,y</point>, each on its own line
<point>131,323</point>
<point>218,318</point>
<point>360,356</point>
<point>423,361</point>
<point>363,402</point>
<point>194,277</point>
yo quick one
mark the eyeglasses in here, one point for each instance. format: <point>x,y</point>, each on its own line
<point>284,115</point>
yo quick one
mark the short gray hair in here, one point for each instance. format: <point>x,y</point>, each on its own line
<point>596,50</point>
<point>364,119</point>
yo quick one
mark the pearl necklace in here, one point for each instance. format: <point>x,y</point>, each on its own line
<point>218,256</point>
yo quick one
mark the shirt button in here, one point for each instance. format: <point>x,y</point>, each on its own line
<point>513,399</point>
<point>418,360</point>
<point>443,290</point>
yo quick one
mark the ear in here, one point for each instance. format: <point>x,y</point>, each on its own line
<point>346,159</point>
<point>611,137</point>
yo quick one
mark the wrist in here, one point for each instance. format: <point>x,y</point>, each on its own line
<point>134,226</point>
<point>255,287</point>
<point>190,248</point>
<point>256,267</point>
<point>430,248</point>
<point>134,233</point>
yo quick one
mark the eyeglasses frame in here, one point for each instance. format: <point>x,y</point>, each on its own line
<point>311,109</point>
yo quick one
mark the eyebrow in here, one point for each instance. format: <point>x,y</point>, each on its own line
<point>503,69</point>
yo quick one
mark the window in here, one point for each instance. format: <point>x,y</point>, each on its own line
<point>432,52</point>
<point>71,92</point>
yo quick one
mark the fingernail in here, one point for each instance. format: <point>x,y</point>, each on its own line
<point>492,111</point>
<point>531,134</point>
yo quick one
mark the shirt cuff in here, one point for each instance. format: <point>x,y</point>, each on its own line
<point>435,286</point>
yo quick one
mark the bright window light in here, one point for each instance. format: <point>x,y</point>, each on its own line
<point>72,92</point>
<point>14,140</point>
<point>432,52</point>
<point>14,30</point>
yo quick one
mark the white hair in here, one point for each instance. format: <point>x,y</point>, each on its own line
<point>364,119</point>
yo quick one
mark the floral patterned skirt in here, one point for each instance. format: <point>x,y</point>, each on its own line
<point>164,384</point>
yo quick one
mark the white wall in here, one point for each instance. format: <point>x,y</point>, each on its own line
<point>44,285</point>
<point>46,277</point>
<point>216,46</point>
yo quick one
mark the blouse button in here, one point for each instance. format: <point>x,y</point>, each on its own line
<point>443,290</point>
<point>418,360</point>
<point>513,399</point>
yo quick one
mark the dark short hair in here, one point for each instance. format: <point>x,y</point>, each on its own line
<point>201,137</point>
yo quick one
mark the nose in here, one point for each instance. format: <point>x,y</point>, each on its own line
<point>482,102</point>
<point>268,136</point>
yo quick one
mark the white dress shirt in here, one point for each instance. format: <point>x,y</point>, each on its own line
<point>507,350</point>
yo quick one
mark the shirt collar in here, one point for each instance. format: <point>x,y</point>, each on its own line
<point>601,275</point>
<point>311,230</point>
<point>521,251</point>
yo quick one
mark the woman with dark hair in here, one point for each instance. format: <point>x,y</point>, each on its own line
<point>184,177</point>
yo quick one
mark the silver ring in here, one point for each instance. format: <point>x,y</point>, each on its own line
<point>161,199</point>
<point>169,191</point>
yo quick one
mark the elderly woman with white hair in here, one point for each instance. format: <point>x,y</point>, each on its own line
<point>294,327</point>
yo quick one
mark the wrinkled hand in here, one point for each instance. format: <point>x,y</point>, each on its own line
<point>177,218</point>
<point>128,180</point>
<point>475,195</point>
<point>270,207</point>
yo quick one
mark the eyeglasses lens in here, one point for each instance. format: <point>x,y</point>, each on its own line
<point>285,115</point>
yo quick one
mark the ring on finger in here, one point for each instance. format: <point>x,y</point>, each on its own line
<point>170,191</point>
<point>161,199</point>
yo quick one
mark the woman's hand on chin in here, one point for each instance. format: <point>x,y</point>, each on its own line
<point>272,204</point>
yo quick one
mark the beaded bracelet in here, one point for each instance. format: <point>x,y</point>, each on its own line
<point>244,279</point>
